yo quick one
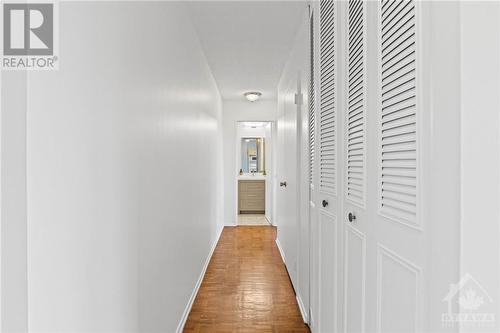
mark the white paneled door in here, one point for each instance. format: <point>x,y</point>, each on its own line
<point>368,235</point>
<point>354,216</point>
<point>287,188</point>
<point>294,165</point>
<point>325,203</point>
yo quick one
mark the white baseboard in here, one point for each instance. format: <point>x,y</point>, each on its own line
<point>230,223</point>
<point>187,310</point>
<point>302,309</point>
<point>278,244</point>
<point>312,322</point>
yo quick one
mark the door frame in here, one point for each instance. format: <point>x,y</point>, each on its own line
<point>270,177</point>
<point>1,200</point>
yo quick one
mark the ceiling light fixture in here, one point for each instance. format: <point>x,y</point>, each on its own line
<point>253,124</point>
<point>252,96</point>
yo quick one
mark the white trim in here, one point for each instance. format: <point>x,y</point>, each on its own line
<point>1,164</point>
<point>302,309</point>
<point>342,45</point>
<point>278,244</point>
<point>187,310</point>
<point>237,154</point>
<point>269,181</point>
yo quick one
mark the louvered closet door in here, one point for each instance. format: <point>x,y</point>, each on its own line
<point>355,165</point>
<point>328,236</point>
<point>384,245</point>
<point>401,238</point>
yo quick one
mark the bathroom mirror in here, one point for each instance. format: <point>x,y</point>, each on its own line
<point>253,155</point>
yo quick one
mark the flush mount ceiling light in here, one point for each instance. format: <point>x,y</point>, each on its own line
<point>253,124</point>
<point>252,96</point>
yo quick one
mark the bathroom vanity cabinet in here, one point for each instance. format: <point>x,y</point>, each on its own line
<point>251,196</point>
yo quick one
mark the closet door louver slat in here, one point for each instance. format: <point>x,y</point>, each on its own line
<point>355,122</point>
<point>328,117</point>
<point>398,116</point>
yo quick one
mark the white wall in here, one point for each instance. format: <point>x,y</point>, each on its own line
<point>234,111</point>
<point>480,149</point>
<point>14,298</point>
<point>124,170</point>
<point>441,171</point>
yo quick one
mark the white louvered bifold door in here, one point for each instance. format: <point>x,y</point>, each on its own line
<point>398,185</point>
<point>325,230</point>
<point>385,249</point>
<point>328,118</point>
<point>356,100</point>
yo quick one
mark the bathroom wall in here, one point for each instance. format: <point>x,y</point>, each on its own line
<point>123,173</point>
<point>233,112</point>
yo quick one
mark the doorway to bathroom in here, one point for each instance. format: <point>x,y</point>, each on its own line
<point>254,183</point>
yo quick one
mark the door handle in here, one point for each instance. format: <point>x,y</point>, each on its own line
<point>351,217</point>
<point>324,203</point>
<point>283,184</point>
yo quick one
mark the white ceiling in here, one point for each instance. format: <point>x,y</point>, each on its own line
<point>247,42</point>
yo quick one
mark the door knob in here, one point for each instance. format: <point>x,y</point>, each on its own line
<point>352,217</point>
<point>324,203</point>
<point>283,184</point>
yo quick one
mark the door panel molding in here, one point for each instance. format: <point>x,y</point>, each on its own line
<point>351,231</point>
<point>384,253</point>
<point>328,220</point>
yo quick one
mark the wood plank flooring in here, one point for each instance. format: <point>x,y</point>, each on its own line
<point>246,287</point>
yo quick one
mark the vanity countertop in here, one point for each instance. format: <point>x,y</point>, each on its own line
<point>251,177</point>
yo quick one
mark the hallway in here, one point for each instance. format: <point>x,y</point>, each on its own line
<point>250,166</point>
<point>246,287</point>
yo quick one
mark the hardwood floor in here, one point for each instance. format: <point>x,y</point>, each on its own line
<point>246,287</point>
